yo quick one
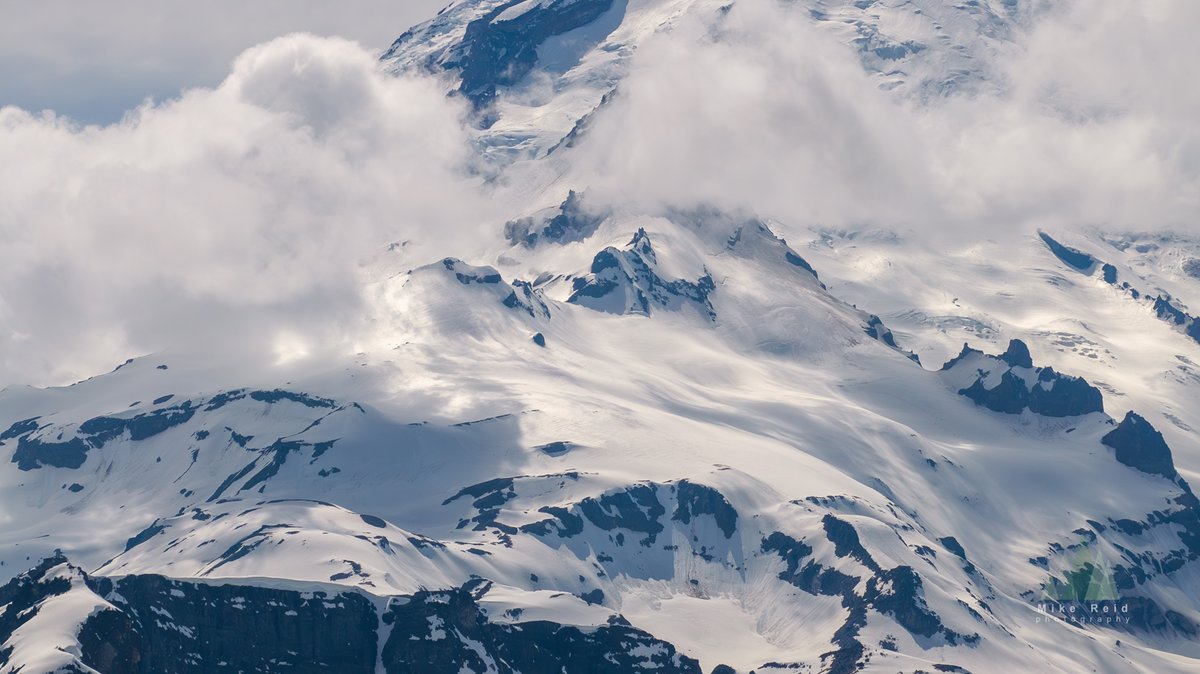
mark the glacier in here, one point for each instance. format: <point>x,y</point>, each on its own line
<point>672,438</point>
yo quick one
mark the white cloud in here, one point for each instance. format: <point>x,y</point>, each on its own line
<point>1091,122</point>
<point>229,216</point>
<point>92,61</point>
<point>236,216</point>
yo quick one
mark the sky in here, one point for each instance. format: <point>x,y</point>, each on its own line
<point>237,209</point>
<point>93,61</point>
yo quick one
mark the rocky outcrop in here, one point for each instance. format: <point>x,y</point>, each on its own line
<point>147,624</point>
<point>57,446</point>
<point>1076,259</point>
<point>1010,383</point>
<point>1140,446</point>
<point>446,632</point>
<point>1165,307</point>
<point>627,281</point>
<point>896,592</point>
<point>501,47</point>
<point>519,295</point>
<point>569,222</point>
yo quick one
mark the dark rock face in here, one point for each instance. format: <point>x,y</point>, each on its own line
<point>499,50</point>
<point>630,519</point>
<point>490,496</point>
<point>192,627</point>
<point>697,499</point>
<point>110,642</point>
<point>627,282</point>
<point>897,592</point>
<point>267,464</point>
<point>446,632</point>
<point>161,625</point>
<point>49,446</point>
<point>1139,445</point>
<point>33,453</point>
<point>1079,260</point>
<point>875,329</point>
<point>1023,386</point>
<point>23,593</point>
<point>20,428</point>
<point>524,297</point>
<point>570,222</point>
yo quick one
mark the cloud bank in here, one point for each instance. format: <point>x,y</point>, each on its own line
<point>236,218</point>
<point>1089,121</point>
<point>226,218</point>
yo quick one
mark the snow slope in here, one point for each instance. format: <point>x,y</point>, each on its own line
<point>693,438</point>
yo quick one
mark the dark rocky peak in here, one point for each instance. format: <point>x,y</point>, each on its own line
<point>500,48</point>
<point>569,222</point>
<point>1017,354</point>
<point>628,281</point>
<point>640,243</point>
<point>1139,445</point>
<point>1010,383</point>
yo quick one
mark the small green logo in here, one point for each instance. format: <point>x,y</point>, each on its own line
<point>1088,578</point>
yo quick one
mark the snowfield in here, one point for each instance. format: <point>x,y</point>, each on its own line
<point>638,439</point>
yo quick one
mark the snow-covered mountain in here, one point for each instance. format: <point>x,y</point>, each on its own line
<point>681,439</point>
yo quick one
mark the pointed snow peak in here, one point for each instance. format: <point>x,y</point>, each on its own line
<point>641,243</point>
<point>629,281</point>
<point>1017,354</point>
<point>1139,445</point>
<point>755,238</point>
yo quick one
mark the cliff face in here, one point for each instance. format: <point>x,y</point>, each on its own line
<point>144,624</point>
